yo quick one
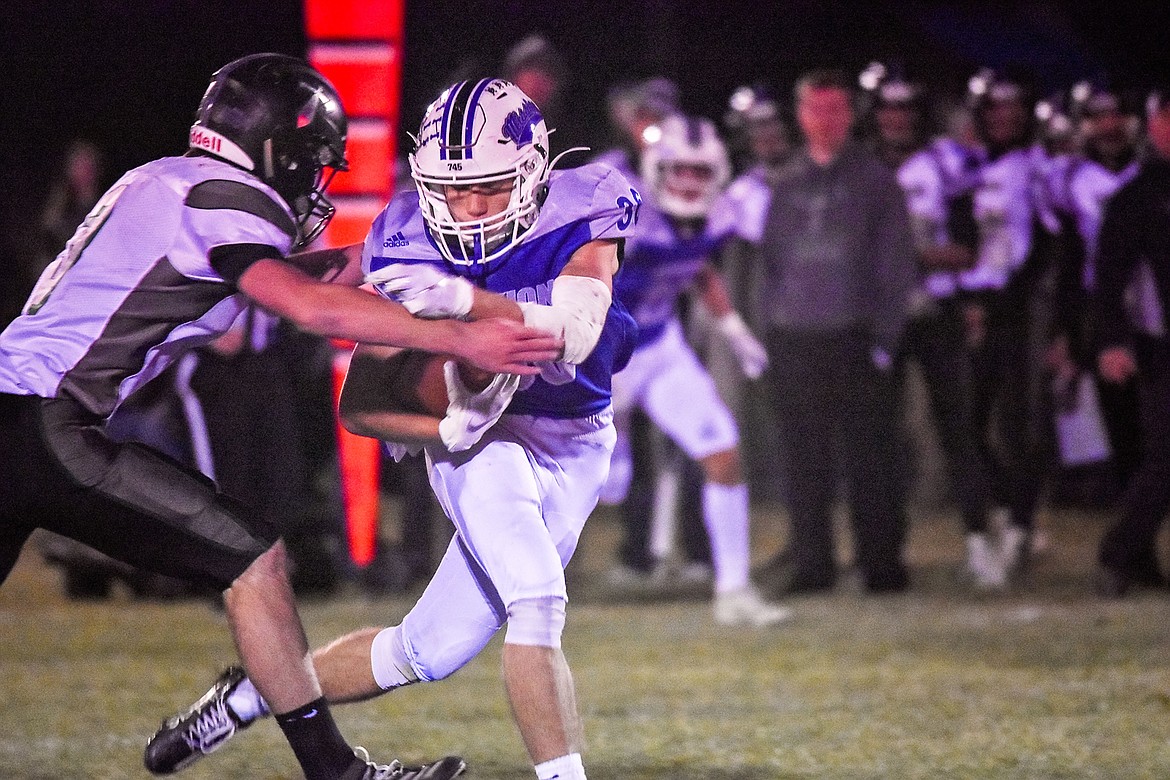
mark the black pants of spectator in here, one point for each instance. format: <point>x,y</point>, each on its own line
<point>1128,546</point>
<point>837,414</point>
<point>937,343</point>
<point>1013,415</point>
<point>1121,412</point>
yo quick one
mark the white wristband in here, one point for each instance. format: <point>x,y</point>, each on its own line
<point>732,325</point>
<point>576,314</point>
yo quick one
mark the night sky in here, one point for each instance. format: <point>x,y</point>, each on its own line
<point>129,73</point>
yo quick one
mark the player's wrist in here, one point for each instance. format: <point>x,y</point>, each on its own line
<point>732,325</point>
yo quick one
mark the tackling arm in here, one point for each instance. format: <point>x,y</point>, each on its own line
<point>341,311</point>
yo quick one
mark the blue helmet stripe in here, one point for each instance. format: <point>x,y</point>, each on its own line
<point>445,130</point>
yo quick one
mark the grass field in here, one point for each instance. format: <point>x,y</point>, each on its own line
<point>1045,681</point>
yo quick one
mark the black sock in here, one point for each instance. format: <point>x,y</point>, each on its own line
<point>319,747</point>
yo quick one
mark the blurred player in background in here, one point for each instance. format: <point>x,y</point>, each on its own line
<point>517,465</point>
<point>685,170</point>
<point>931,173</point>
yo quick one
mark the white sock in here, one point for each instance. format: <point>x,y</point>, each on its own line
<point>725,514</point>
<point>247,702</point>
<point>564,768</point>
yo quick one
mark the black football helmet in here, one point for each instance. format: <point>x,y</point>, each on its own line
<point>277,117</point>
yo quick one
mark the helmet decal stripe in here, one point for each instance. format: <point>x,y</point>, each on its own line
<point>454,117</point>
<point>452,93</point>
<point>469,117</point>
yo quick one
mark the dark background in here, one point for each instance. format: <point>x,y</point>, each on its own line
<point>129,73</point>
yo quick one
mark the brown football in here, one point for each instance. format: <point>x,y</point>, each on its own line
<point>411,380</point>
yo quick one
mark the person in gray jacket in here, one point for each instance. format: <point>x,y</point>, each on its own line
<point>840,269</point>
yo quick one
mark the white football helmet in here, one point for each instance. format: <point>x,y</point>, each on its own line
<point>478,132</point>
<point>687,167</point>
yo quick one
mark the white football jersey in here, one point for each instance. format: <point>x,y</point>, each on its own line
<point>1004,204</point>
<point>134,288</point>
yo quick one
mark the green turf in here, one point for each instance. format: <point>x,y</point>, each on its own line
<point>1046,681</point>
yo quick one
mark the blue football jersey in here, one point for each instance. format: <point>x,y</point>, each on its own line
<point>660,263</point>
<point>583,204</point>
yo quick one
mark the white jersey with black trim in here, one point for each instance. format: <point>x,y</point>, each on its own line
<point>134,288</point>
<point>1090,186</point>
<point>930,178</point>
<point>1005,210</point>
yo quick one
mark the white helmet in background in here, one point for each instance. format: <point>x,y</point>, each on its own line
<point>478,132</point>
<point>686,166</point>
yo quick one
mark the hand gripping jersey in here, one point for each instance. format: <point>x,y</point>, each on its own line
<point>134,288</point>
<point>583,204</point>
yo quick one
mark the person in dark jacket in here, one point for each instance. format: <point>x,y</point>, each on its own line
<point>840,267</point>
<point>1134,253</point>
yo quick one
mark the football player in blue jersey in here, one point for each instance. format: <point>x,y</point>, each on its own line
<point>164,263</point>
<point>684,171</point>
<point>516,462</point>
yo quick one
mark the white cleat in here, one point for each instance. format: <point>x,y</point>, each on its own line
<point>745,607</point>
<point>1013,544</point>
<point>985,565</point>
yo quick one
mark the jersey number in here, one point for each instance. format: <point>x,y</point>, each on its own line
<point>55,271</point>
<point>629,209</point>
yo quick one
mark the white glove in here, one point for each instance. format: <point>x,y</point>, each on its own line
<point>470,414</point>
<point>753,358</point>
<point>424,290</point>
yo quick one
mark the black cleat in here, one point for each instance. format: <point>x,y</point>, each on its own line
<point>444,769</point>
<point>204,728</point>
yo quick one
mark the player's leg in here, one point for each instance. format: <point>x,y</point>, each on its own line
<point>704,428</point>
<point>140,507</point>
<point>544,476</point>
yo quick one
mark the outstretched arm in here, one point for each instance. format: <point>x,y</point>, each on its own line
<point>712,290</point>
<point>341,311</point>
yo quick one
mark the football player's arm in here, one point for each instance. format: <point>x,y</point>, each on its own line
<point>336,265</point>
<point>581,296</point>
<point>712,291</point>
<point>596,259</point>
<point>340,311</point>
<point>372,403</point>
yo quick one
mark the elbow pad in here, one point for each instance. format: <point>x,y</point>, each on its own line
<point>576,314</point>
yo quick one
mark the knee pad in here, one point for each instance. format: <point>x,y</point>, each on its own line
<point>388,661</point>
<point>538,621</point>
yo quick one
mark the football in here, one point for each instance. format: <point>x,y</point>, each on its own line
<point>411,380</point>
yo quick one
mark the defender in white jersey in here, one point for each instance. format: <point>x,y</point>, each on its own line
<point>685,171</point>
<point>164,263</point>
<point>517,467</point>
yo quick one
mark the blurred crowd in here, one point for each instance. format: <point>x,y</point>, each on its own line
<point>888,241</point>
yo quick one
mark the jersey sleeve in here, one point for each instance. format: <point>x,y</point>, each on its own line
<point>614,206</point>
<point>397,234</point>
<point>222,213</point>
<point>739,211</point>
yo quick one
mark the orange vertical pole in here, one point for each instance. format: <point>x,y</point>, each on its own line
<point>357,45</point>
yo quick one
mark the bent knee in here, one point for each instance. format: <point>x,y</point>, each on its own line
<point>536,621</point>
